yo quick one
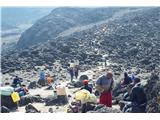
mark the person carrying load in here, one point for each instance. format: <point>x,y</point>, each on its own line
<point>105,85</point>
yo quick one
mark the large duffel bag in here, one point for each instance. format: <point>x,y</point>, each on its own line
<point>7,101</point>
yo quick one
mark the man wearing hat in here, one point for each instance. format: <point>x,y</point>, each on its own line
<point>86,86</point>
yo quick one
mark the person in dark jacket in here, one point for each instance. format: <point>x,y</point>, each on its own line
<point>138,99</point>
<point>71,72</point>
<point>86,86</point>
<point>85,106</point>
<point>76,71</point>
<point>16,82</point>
<point>127,80</point>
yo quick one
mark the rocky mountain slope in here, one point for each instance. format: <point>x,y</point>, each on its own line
<point>61,19</point>
<point>132,40</point>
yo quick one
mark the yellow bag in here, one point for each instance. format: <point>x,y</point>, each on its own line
<point>15,97</point>
<point>82,95</point>
<point>92,98</point>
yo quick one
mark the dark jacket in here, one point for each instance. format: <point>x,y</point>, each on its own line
<point>138,95</point>
<point>16,81</point>
<point>86,87</point>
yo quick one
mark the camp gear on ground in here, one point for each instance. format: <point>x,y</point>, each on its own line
<point>15,97</point>
<point>7,90</point>
<point>84,96</point>
<point>8,102</point>
<point>92,98</point>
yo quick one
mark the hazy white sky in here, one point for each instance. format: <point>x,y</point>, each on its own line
<point>80,2</point>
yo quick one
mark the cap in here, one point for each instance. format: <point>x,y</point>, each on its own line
<point>85,82</point>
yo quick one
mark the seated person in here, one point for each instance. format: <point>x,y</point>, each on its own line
<point>127,80</point>
<point>22,90</point>
<point>137,99</point>
<point>86,86</point>
<point>16,82</point>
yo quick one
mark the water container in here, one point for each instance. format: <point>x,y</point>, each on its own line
<point>15,97</point>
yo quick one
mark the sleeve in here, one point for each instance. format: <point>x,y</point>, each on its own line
<point>98,82</point>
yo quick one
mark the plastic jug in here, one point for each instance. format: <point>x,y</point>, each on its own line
<point>15,97</point>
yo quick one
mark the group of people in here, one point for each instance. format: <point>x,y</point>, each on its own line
<point>134,99</point>
<point>45,79</point>
<point>12,93</point>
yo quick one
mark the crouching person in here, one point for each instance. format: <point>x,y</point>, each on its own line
<point>61,94</point>
<point>137,99</point>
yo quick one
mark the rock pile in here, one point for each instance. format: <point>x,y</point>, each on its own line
<point>104,109</point>
<point>153,93</point>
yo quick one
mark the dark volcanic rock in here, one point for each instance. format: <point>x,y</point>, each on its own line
<point>153,92</point>
<point>31,109</point>
<point>61,19</point>
<point>104,109</point>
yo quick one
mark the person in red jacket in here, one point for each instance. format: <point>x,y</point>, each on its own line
<point>105,85</point>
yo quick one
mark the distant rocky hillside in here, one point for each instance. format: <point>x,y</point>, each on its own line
<point>131,39</point>
<point>61,19</point>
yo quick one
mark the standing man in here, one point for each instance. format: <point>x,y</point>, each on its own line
<point>76,71</point>
<point>105,85</point>
<point>42,78</point>
<point>71,72</point>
